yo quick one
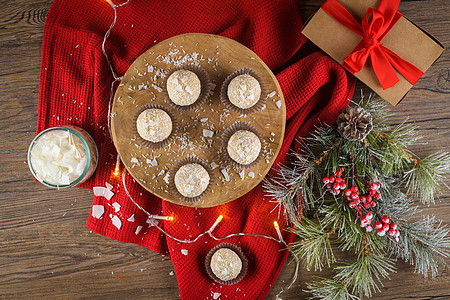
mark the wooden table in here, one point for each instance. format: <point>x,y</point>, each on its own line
<point>46,251</point>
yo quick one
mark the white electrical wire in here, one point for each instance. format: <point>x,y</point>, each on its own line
<point>151,216</point>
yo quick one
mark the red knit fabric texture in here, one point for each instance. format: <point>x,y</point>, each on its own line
<point>75,89</point>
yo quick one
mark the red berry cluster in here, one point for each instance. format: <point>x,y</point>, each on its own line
<point>335,183</point>
<point>366,202</point>
<point>386,226</point>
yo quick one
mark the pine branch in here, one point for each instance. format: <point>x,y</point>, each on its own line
<point>314,247</point>
<point>426,177</point>
<point>329,289</point>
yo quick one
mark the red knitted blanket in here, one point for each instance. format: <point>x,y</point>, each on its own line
<point>75,89</point>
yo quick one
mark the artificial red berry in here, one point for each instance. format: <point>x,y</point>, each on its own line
<point>358,207</point>
<point>369,198</point>
<point>385,220</point>
<point>372,193</point>
<point>381,232</point>
<point>338,180</point>
<point>354,195</point>
<point>391,232</point>
<point>377,185</point>
<point>369,215</point>
<point>325,180</point>
<point>354,189</point>
<point>338,174</point>
<point>397,233</point>
<point>393,226</point>
<point>378,195</point>
<point>331,179</point>
<point>369,228</point>
<point>349,198</point>
<point>352,204</point>
<point>378,225</point>
<point>363,198</point>
<point>366,205</point>
<point>385,227</point>
<point>335,185</point>
<point>364,222</point>
<point>342,185</point>
<point>371,186</point>
<point>372,203</point>
<point>342,169</point>
<point>335,191</point>
<point>348,192</point>
<point>357,201</point>
<point>329,185</point>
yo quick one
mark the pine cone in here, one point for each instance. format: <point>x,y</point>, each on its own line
<point>354,123</point>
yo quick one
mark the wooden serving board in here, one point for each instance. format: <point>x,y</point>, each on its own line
<point>141,85</point>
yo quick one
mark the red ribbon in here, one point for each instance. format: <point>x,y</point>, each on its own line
<point>374,27</point>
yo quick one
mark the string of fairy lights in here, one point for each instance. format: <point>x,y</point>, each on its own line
<point>153,217</point>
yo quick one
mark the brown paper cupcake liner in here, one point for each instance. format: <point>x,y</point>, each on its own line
<point>238,252</point>
<point>226,137</point>
<point>163,143</point>
<point>189,160</point>
<point>206,87</point>
<point>224,93</point>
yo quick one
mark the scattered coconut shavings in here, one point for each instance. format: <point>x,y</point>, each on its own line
<point>138,229</point>
<point>213,165</point>
<point>251,174</point>
<point>116,206</point>
<point>152,162</point>
<point>134,160</point>
<point>225,174</point>
<point>216,295</point>
<point>157,88</point>
<point>278,103</point>
<point>272,134</point>
<point>97,211</point>
<point>208,133</point>
<point>184,252</point>
<point>101,191</point>
<point>203,120</point>
<point>242,174</point>
<point>171,273</point>
<point>271,94</point>
<point>116,221</point>
<point>166,178</point>
<point>109,186</point>
<point>131,219</point>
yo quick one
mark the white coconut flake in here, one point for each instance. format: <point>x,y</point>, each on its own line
<point>225,174</point>
<point>242,174</point>
<point>109,186</point>
<point>116,206</point>
<point>134,160</point>
<point>97,211</point>
<point>108,194</point>
<point>208,133</point>
<point>278,103</point>
<point>171,273</point>
<point>166,178</point>
<point>184,252</point>
<point>154,162</point>
<point>99,191</point>
<point>271,94</point>
<point>213,165</point>
<point>272,134</point>
<point>138,229</point>
<point>251,174</point>
<point>131,219</point>
<point>116,222</point>
<point>203,120</point>
<point>157,88</point>
<point>216,295</point>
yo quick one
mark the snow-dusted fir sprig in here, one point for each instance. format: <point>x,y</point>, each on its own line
<point>375,217</point>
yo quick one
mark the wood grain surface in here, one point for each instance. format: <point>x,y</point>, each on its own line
<point>46,251</point>
<point>140,86</point>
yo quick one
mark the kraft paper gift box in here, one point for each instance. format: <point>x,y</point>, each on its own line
<point>405,39</point>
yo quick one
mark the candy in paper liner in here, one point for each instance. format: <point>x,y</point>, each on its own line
<point>189,160</point>
<point>224,93</point>
<point>232,129</point>
<point>150,144</point>
<point>238,251</point>
<point>205,92</point>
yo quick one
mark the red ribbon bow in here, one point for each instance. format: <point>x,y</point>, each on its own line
<point>375,25</point>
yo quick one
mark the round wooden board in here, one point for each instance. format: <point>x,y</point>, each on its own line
<point>141,85</point>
